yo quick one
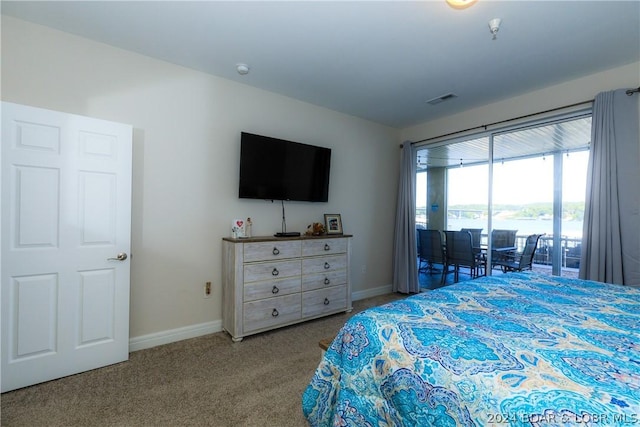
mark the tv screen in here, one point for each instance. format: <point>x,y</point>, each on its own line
<point>275,169</point>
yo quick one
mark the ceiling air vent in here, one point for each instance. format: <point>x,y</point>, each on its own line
<point>442,98</point>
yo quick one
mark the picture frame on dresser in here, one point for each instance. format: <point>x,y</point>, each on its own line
<point>333,223</point>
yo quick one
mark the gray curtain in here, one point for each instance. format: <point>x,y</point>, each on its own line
<point>611,231</point>
<point>405,267</point>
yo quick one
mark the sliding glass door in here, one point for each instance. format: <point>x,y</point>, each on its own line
<point>530,179</point>
<point>539,178</point>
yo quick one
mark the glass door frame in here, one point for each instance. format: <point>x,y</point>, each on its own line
<point>557,172</point>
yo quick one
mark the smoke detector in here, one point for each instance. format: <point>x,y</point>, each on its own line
<point>242,69</point>
<point>494,26</point>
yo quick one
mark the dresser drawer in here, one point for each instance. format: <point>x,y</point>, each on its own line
<point>272,288</point>
<point>262,271</point>
<point>323,247</point>
<point>271,312</point>
<point>265,251</point>
<point>324,280</point>
<point>324,264</point>
<point>324,300</point>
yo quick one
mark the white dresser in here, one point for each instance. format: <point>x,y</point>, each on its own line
<point>272,282</point>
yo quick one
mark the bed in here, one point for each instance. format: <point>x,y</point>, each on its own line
<point>515,349</point>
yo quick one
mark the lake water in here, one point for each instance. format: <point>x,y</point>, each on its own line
<point>524,226</point>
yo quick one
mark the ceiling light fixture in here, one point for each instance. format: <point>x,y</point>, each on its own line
<point>460,4</point>
<point>494,26</point>
<point>242,69</point>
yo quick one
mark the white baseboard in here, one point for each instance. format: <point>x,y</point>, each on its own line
<point>179,334</point>
<point>173,335</point>
<point>382,290</point>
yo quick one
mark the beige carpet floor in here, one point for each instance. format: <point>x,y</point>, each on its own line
<point>205,381</point>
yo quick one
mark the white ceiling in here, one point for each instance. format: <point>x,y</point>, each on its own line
<point>379,60</point>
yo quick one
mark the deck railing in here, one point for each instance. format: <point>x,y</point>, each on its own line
<point>570,248</point>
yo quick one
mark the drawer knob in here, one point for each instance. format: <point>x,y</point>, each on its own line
<point>326,281</point>
<point>276,251</point>
<point>326,301</point>
<point>327,247</point>
<point>275,272</point>
<point>275,313</point>
<point>326,266</point>
<point>275,290</point>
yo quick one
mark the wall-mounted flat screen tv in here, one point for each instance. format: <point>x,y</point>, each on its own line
<point>275,169</point>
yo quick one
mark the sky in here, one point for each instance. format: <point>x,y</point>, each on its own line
<point>515,182</point>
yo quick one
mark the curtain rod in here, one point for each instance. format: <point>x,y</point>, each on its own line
<point>632,91</point>
<point>509,120</point>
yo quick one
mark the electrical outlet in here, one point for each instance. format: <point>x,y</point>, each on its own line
<point>207,289</point>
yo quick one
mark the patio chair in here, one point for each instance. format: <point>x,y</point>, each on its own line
<point>476,234</point>
<point>503,238</point>
<point>524,260</point>
<point>460,254</point>
<point>503,246</point>
<point>431,252</point>
<point>476,237</point>
<point>418,227</point>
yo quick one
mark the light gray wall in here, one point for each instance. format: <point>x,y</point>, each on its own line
<point>187,128</point>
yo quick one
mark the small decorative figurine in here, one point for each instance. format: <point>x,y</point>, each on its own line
<point>315,229</point>
<point>247,229</point>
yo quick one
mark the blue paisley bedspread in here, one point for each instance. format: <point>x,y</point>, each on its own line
<point>516,349</point>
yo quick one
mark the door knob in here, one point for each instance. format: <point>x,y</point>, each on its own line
<point>120,257</point>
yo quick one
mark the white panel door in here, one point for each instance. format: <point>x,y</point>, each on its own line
<point>66,227</point>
